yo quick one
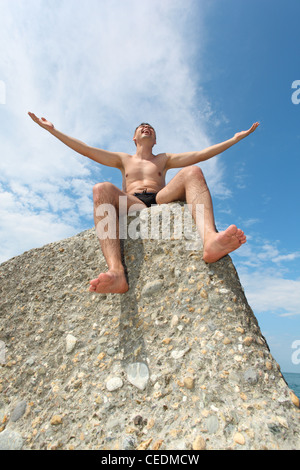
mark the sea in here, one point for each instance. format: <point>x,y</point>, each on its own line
<point>293,381</point>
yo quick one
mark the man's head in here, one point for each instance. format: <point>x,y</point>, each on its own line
<point>143,131</point>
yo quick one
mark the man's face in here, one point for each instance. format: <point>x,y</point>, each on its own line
<point>145,131</point>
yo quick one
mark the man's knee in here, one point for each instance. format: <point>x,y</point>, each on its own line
<point>102,190</point>
<point>193,171</point>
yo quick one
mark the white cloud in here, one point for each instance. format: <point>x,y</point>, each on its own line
<point>266,278</point>
<point>268,252</point>
<point>269,292</point>
<point>288,257</point>
<point>262,253</point>
<point>249,222</point>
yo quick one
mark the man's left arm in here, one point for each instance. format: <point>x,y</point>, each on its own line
<point>179,160</point>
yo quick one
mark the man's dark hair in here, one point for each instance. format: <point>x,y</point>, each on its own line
<point>144,124</point>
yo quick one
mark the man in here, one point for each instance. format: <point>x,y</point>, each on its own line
<point>144,184</point>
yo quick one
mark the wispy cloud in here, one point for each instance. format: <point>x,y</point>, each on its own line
<point>270,292</point>
<point>240,175</point>
<point>265,272</point>
<point>288,257</point>
<point>96,69</point>
<point>250,222</point>
<point>263,253</point>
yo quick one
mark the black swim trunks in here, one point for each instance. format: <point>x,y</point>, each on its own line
<point>147,198</point>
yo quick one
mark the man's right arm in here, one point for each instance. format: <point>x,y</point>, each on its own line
<point>104,157</point>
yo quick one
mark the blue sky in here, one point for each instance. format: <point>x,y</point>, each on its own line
<point>198,71</point>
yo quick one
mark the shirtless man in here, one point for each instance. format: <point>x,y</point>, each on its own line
<point>145,172</point>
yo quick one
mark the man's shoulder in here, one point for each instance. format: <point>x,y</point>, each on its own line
<point>125,155</point>
<point>164,158</point>
<point>162,155</point>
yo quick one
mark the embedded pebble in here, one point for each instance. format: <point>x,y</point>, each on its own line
<point>129,443</point>
<point>10,440</point>
<point>152,287</point>
<point>56,420</point>
<point>212,424</point>
<point>178,354</point>
<point>114,383</point>
<point>295,399</point>
<point>2,352</point>
<point>251,376</point>
<point>189,383</point>
<point>138,375</point>
<point>18,411</point>
<point>239,439</point>
<point>70,343</point>
<point>199,443</point>
<point>248,341</point>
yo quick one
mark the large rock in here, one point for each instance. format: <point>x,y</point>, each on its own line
<point>178,362</point>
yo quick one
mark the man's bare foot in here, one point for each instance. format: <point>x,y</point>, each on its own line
<point>220,244</point>
<point>111,282</point>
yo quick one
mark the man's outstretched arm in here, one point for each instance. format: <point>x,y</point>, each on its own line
<point>179,160</point>
<point>112,159</point>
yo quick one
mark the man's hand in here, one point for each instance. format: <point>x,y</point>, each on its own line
<point>104,157</point>
<point>42,122</point>
<point>191,158</point>
<point>241,135</point>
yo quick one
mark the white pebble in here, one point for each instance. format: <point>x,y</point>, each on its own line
<point>114,383</point>
<point>70,343</point>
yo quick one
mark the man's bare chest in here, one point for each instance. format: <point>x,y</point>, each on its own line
<point>138,168</point>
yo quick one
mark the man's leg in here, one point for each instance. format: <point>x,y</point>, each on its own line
<point>189,185</point>
<point>106,210</point>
